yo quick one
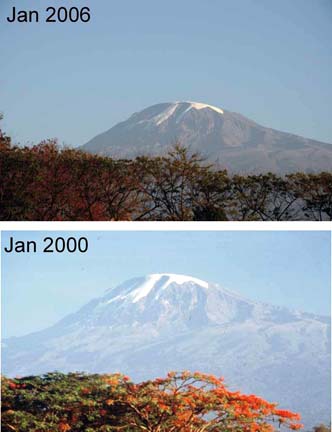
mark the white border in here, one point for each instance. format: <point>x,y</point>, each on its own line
<point>166,226</point>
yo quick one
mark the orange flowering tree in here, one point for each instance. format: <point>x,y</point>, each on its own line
<point>181,402</point>
<point>189,402</point>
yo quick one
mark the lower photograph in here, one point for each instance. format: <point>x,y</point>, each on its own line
<point>171,331</point>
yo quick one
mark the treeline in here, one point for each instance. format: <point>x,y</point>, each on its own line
<point>181,402</point>
<point>47,183</point>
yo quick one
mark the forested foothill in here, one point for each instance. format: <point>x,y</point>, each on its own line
<point>48,183</point>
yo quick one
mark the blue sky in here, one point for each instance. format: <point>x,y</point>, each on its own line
<point>281,267</point>
<point>269,60</point>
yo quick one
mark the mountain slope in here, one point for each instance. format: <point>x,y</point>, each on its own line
<point>150,325</point>
<point>229,139</point>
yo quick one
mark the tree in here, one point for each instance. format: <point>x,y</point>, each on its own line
<point>198,402</point>
<point>169,185</point>
<point>264,197</point>
<point>120,191</point>
<point>5,141</point>
<point>180,402</point>
<point>51,182</point>
<point>211,195</point>
<point>315,194</point>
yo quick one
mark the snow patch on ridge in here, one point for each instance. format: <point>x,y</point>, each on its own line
<point>170,110</point>
<point>181,279</point>
<point>151,280</point>
<point>199,106</point>
<point>144,289</point>
<point>165,115</point>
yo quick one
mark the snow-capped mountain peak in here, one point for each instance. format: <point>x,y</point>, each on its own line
<point>176,111</point>
<point>163,280</point>
<point>199,106</point>
<point>137,289</point>
<point>152,324</point>
<point>165,300</point>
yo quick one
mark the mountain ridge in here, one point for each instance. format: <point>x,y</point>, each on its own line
<point>225,138</point>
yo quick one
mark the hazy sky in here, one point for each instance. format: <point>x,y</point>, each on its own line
<point>269,60</point>
<point>283,268</point>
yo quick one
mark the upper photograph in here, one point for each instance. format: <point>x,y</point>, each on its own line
<point>181,111</point>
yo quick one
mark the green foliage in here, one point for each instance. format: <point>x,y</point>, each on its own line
<point>52,401</point>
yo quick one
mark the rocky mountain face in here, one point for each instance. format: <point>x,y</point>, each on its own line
<point>228,139</point>
<point>153,324</point>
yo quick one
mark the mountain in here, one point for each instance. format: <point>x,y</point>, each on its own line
<point>223,137</point>
<point>150,325</point>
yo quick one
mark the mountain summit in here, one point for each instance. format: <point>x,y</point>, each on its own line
<point>152,324</point>
<point>223,137</point>
<point>167,301</point>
